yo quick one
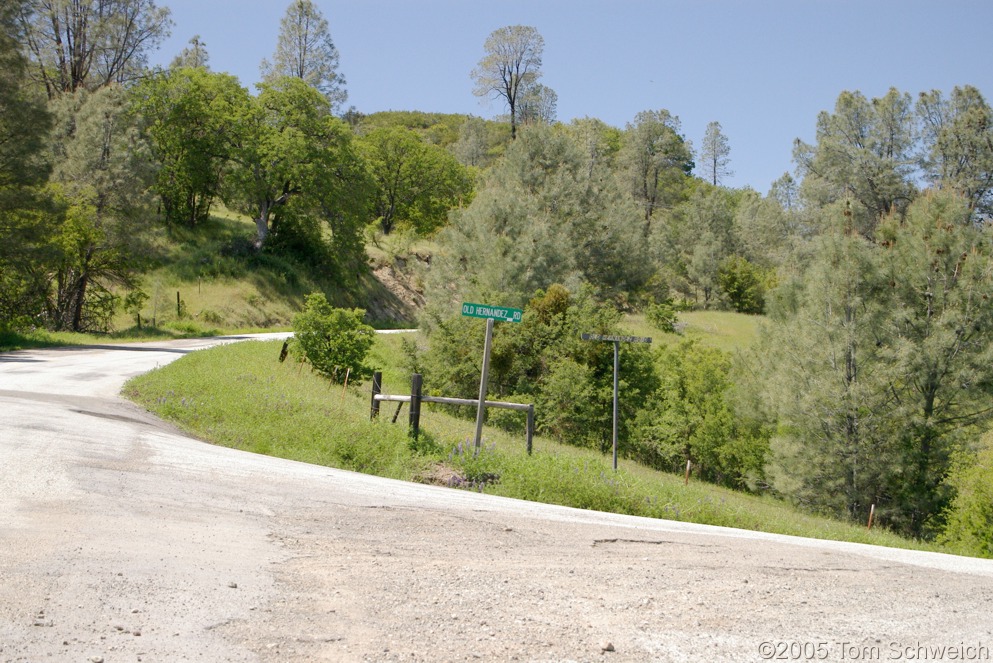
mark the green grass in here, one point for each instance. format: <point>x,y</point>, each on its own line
<point>223,286</point>
<point>723,330</point>
<point>241,396</point>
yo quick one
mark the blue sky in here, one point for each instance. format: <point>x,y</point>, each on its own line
<point>762,68</point>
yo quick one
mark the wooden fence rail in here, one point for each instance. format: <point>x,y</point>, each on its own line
<point>415,399</point>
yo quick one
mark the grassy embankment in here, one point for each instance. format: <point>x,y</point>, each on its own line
<point>241,396</point>
<point>224,287</point>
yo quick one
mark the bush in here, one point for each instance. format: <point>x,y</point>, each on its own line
<point>335,341</point>
<point>969,527</point>
<point>663,316</point>
<point>691,417</point>
<point>743,284</point>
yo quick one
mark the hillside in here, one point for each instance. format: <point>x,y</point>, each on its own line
<point>222,284</point>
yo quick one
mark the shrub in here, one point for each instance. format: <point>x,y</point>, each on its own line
<point>743,284</point>
<point>969,527</point>
<point>662,315</point>
<point>335,341</point>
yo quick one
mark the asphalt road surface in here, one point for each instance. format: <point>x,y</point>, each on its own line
<point>123,540</point>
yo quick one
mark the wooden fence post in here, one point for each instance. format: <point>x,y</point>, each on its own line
<point>415,404</point>
<point>377,382</point>
<point>530,431</point>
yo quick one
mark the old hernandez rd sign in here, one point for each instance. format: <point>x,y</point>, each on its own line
<point>493,312</point>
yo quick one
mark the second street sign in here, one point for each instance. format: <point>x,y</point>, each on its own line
<point>616,339</point>
<point>495,312</point>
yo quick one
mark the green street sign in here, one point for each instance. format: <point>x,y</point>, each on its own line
<point>616,339</point>
<point>495,312</point>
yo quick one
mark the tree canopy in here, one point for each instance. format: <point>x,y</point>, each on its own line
<point>306,51</point>
<point>510,67</point>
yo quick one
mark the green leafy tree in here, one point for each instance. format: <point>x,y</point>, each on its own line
<point>24,119</point>
<point>510,67</point>
<point>690,417</point>
<point>543,360</point>
<point>538,104</point>
<point>881,372</point>
<point>193,119</point>
<point>335,341</point>
<point>102,174</point>
<point>306,51</point>
<point>473,145</point>
<point>293,161</point>
<point>415,183</point>
<point>91,261</point>
<point>87,44</point>
<point>693,239</point>
<point>599,142</point>
<point>24,223</point>
<point>771,234</point>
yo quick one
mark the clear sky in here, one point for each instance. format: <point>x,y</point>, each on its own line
<point>764,69</point>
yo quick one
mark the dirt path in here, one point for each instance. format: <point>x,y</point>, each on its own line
<point>122,540</point>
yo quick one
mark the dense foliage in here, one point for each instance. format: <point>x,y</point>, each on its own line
<point>335,341</point>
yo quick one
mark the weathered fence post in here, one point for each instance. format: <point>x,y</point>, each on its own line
<point>530,432</point>
<point>415,404</point>
<point>377,387</point>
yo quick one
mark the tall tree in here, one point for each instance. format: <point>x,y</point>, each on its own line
<point>939,268</point>
<point>25,225</point>
<point>86,44</point>
<point>471,147</point>
<point>959,142</point>
<point>195,55</point>
<point>101,176</point>
<point>538,105</point>
<point>884,367</point>
<point>654,157</point>
<point>294,161</point>
<point>539,218</point>
<point>193,119</point>
<point>511,65</point>
<point>415,182</point>
<point>598,141</point>
<point>306,51</point>
<point>23,117</point>
<point>825,381</point>
<point>715,154</point>
<point>864,152</point>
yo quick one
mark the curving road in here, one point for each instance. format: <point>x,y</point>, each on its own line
<point>123,540</point>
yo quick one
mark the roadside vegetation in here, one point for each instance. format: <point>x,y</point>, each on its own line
<point>828,343</point>
<point>242,397</point>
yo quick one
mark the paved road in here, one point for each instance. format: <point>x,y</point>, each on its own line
<point>123,540</point>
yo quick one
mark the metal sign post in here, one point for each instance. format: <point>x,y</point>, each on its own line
<point>490,313</point>
<point>616,340</point>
